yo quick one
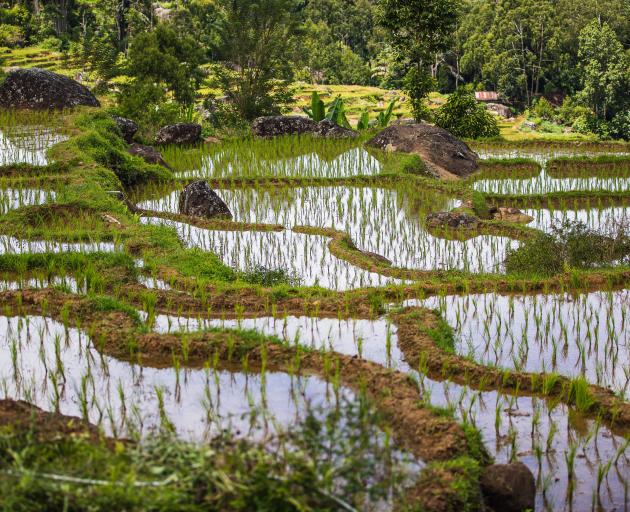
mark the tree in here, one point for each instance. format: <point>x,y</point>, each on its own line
<point>604,68</point>
<point>463,116</point>
<point>256,45</point>
<point>418,30</point>
<point>164,70</point>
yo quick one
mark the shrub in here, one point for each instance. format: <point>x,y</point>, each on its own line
<point>464,117</point>
<point>539,255</point>
<point>270,276</point>
<point>620,125</point>
<point>543,109</point>
<point>571,244</point>
<point>11,36</point>
<point>418,84</point>
<point>572,112</point>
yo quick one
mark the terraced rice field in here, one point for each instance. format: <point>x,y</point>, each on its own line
<point>324,325</point>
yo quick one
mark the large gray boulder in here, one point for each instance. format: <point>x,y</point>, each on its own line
<point>274,126</point>
<point>148,153</point>
<point>180,133</point>
<point>328,129</point>
<point>39,89</point>
<point>199,200</point>
<point>509,487</point>
<point>127,127</point>
<point>444,154</point>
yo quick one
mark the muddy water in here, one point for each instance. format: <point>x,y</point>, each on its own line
<point>383,221</point>
<point>543,183</point>
<point>246,161</point>
<point>58,369</point>
<point>42,360</point>
<point>529,429</point>
<point>12,198</point>
<point>585,335</point>
<point>12,245</point>
<point>27,145</point>
<point>372,340</point>
<point>67,282</point>
<point>303,256</point>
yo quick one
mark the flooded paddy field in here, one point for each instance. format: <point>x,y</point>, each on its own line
<point>283,329</point>
<point>388,222</point>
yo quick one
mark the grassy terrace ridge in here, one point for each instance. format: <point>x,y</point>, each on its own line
<point>89,168</point>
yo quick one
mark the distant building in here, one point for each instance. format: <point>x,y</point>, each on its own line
<point>487,96</point>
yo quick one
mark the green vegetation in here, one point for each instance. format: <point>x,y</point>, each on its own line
<point>331,345</point>
<point>464,117</point>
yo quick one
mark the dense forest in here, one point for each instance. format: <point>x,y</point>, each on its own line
<point>568,60</point>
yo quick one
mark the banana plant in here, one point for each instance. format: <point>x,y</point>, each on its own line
<point>364,121</point>
<point>317,112</point>
<point>384,118</point>
<point>337,113</point>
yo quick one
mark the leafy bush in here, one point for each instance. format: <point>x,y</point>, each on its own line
<point>418,84</point>
<point>572,110</point>
<point>571,244</point>
<point>464,117</point>
<point>620,125</point>
<point>11,36</point>
<point>270,277</point>
<point>543,109</point>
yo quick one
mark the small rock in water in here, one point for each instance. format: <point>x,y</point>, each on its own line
<point>199,200</point>
<point>509,487</point>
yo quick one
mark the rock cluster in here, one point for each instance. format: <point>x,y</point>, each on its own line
<point>452,220</point>
<point>511,215</point>
<point>199,200</point>
<point>40,89</point>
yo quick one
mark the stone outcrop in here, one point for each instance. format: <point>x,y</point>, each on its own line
<point>39,89</point>
<point>511,215</point>
<point>199,200</point>
<point>180,133</point>
<point>444,154</point>
<point>452,220</point>
<point>509,487</point>
<point>274,126</point>
<point>500,110</point>
<point>328,129</point>
<point>127,127</point>
<point>148,153</point>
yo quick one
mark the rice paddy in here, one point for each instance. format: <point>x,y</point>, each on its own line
<point>325,319</point>
<point>387,222</point>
